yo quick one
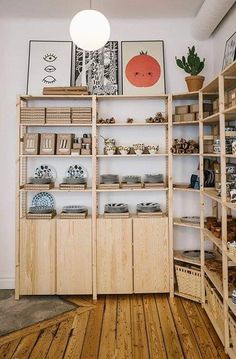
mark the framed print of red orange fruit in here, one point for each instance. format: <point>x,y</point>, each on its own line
<point>143,67</point>
<point>143,70</point>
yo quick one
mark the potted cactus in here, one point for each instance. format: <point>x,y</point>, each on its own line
<point>193,66</point>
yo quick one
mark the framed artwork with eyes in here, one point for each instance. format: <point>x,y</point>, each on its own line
<point>49,64</point>
<point>143,70</point>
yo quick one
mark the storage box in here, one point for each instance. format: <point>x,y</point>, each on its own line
<point>34,115</point>
<point>232,95</point>
<point>58,115</point>
<point>232,331</point>
<point>86,152</point>
<point>31,143</point>
<point>205,114</point>
<point>188,280</point>
<point>181,110</point>
<point>215,305</point>
<point>215,105</point>
<point>178,118</point>
<point>207,107</point>
<point>87,140</point>
<point>64,143</point>
<point>47,143</point>
<point>189,117</point>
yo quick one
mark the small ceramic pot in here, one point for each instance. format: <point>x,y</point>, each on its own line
<point>233,195</point>
<point>124,150</point>
<point>138,148</point>
<point>152,149</point>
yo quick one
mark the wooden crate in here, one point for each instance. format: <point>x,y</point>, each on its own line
<point>151,255</point>
<point>32,115</point>
<point>31,144</point>
<point>47,143</point>
<point>215,305</point>
<point>188,280</point>
<point>74,256</point>
<point>37,256</point>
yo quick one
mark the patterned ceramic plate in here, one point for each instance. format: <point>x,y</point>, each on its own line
<point>46,172</point>
<point>74,209</point>
<point>131,179</point>
<point>148,207</point>
<point>77,171</point>
<point>43,199</point>
<point>116,208</point>
<point>41,210</point>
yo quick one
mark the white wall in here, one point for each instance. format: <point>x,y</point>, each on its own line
<point>15,35</point>
<point>223,32</point>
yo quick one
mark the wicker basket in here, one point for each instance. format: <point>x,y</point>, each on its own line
<point>232,330</point>
<point>189,281</point>
<point>215,305</point>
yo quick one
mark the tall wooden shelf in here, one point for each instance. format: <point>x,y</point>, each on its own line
<point>98,225</point>
<point>221,206</point>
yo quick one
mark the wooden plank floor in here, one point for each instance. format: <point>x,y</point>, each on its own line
<point>120,327</point>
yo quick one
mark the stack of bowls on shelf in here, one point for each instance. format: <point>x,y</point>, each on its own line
<point>148,207</point>
<point>116,208</point>
<point>153,178</point>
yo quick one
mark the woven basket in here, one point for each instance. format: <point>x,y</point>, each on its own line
<point>232,329</point>
<point>189,281</point>
<point>215,305</point>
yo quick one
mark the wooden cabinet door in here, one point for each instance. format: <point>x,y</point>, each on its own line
<point>37,256</point>
<point>74,256</point>
<point>151,257</point>
<point>114,256</point>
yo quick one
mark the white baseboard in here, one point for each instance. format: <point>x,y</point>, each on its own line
<point>7,283</point>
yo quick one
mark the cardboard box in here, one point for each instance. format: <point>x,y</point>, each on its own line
<point>64,142</point>
<point>30,143</point>
<point>207,148</point>
<point>47,143</point>
<point>205,114</point>
<point>178,118</point>
<point>77,146</point>
<point>181,110</point>
<point>207,107</point>
<point>215,104</point>
<point>232,95</point>
<point>85,152</point>
<point>189,117</point>
<point>87,140</point>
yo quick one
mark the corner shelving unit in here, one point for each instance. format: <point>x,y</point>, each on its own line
<point>221,207</point>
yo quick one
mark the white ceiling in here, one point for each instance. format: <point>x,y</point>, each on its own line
<point>111,8</point>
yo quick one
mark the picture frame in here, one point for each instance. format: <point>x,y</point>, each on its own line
<point>98,69</point>
<point>143,67</point>
<point>230,51</point>
<point>49,64</point>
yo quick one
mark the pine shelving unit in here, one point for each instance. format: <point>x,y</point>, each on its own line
<point>59,282</point>
<point>221,207</point>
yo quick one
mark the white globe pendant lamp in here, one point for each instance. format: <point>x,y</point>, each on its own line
<point>90,29</point>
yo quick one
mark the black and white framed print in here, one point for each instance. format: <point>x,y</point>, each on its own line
<point>98,69</point>
<point>49,64</point>
<point>143,71</point>
<point>230,51</point>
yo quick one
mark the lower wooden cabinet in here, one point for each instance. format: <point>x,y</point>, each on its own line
<point>74,256</point>
<point>114,256</point>
<point>37,256</point>
<point>151,255</point>
<point>56,256</point>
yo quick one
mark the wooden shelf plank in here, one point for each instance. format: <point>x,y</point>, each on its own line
<point>212,193</point>
<point>230,70</point>
<point>215,279</point>
<point>132,189</point>
<point>230,205</point>
<point>184,187</point>
<point>178,255</point>
<point>186,296</point>
<point>211,87</point>
<point>57,125</point>
<point>55,97</point>
<point>56,189</point>
<point>186,95</point>
<point>124,124</point>
<point>186,123</point>
<point>133,156</point>
<point>230,110</point>
<point>57,156</point>
<point>211,119</point>
<point>232,306</point>
<point>185,154</point>
<point>134,97</point>
<point>212,238</point>
<point>178,222</point>
<point>211,154</point>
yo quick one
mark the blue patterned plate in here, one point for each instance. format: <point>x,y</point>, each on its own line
<point>43,199</point>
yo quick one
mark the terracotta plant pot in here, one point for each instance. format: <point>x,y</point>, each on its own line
<point>194,83</point>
